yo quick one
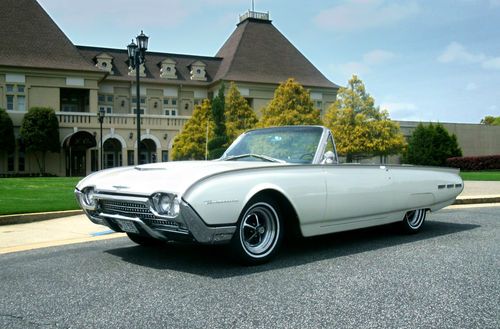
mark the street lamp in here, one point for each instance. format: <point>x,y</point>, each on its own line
<point>136,57</point>
<point>100,116</point>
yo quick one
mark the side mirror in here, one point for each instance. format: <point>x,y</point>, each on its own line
<point>328,158</point>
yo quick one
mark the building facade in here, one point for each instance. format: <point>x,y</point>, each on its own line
<point>41,67</point>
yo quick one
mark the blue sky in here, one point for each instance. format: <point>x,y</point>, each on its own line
<point>421,60</point>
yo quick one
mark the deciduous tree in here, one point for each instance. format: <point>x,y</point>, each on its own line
<point>291,105</point>
<point>40,133</point>
<point>191,142</point>
<point>491,120</point>
<point>239,115</point>
<point>360,128</point>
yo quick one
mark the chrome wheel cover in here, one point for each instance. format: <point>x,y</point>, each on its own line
<point>259,230</point>
<point>415,218</point>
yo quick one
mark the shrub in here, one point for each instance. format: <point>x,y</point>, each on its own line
<point>487,162</point>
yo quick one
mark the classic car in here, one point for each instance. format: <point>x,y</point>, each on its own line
<point>270,182</point>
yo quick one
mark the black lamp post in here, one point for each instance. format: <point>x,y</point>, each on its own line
<point>136,57</point>
<point>100,116</point>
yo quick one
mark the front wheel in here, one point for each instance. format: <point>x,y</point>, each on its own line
<point>413,220</point>
<point>259,233</point>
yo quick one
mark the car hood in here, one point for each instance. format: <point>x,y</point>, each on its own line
<point>174,177</point>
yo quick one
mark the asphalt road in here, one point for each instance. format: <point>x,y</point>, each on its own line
<point>448,276</point>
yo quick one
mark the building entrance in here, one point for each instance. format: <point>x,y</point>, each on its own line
<point>75,149</point>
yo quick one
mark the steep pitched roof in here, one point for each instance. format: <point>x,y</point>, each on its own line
<point>153,65</point>
<point>30,38</point>
<point>258,52</point>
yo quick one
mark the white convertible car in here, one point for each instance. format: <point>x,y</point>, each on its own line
<point>270,182</point>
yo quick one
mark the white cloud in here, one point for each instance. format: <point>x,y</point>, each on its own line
<point>362,14</point>
<point>402,110</point>
<point>377,56</point>
<point>457,53</point>
<point>491,63</point>
<point>471,86</point>
<point>367,62</point>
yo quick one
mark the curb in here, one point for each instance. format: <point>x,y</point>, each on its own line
<point>477,200</point>
<point>35,217</point>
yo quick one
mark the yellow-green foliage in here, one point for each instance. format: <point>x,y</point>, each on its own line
<point>239,115</point>
<point>291,105</point>
<point>190,143</point>
<point>360,128</point>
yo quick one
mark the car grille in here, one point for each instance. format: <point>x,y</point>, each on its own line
<point>133,209</point>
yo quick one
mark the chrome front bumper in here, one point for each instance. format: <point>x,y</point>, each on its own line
<point>186,226</point>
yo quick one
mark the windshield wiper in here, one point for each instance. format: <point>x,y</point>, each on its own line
<point>252,155</point>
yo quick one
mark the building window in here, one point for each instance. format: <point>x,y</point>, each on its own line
<point>107,109</point>
<point>134,111</point>
<point>130,157</point>
<point>16,99</point>
<point>164,156</point>
<point>170,101</point>
<point>319,104</point>
<point>94,160</point>
<point>10,162</point>
<point>170,112</point>
<point>10,103</point>
<point>106,103</point>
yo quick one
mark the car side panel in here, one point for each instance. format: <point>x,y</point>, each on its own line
<point>221,198</point>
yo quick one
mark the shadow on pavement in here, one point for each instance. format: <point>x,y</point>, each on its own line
<point>215,261</point>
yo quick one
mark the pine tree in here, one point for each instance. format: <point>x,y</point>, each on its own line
<point>431,145</point>
<point>240,117</point>
<point>291,105</point>
<point>219,142</point>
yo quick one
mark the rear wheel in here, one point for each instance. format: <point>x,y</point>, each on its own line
<point>413,220</point>
<point>143,240</point>
<point>259,233</point>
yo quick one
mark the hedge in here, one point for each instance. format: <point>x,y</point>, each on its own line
<point>487,162</point>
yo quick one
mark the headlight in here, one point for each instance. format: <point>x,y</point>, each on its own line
<point>88,197</point>
<point>166,204</point>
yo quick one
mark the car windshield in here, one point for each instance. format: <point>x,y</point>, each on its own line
<point>280,144</point>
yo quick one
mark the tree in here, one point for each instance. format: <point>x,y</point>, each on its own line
<point>190,143</point>
<point>219,142</point>
<point>291,105</point>
<point>360,128</point>
<point>431,145</point>
<point>490,120</point>
<point>239,115</point>
<point>8,141</point>
<point>40,133</point>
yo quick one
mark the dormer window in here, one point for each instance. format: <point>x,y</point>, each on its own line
<point>167,70</point>
<point>104,62</point>
<point>198,71</point>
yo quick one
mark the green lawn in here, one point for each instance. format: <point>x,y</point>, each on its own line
<point>481,175</point>
<point>25,195</point>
